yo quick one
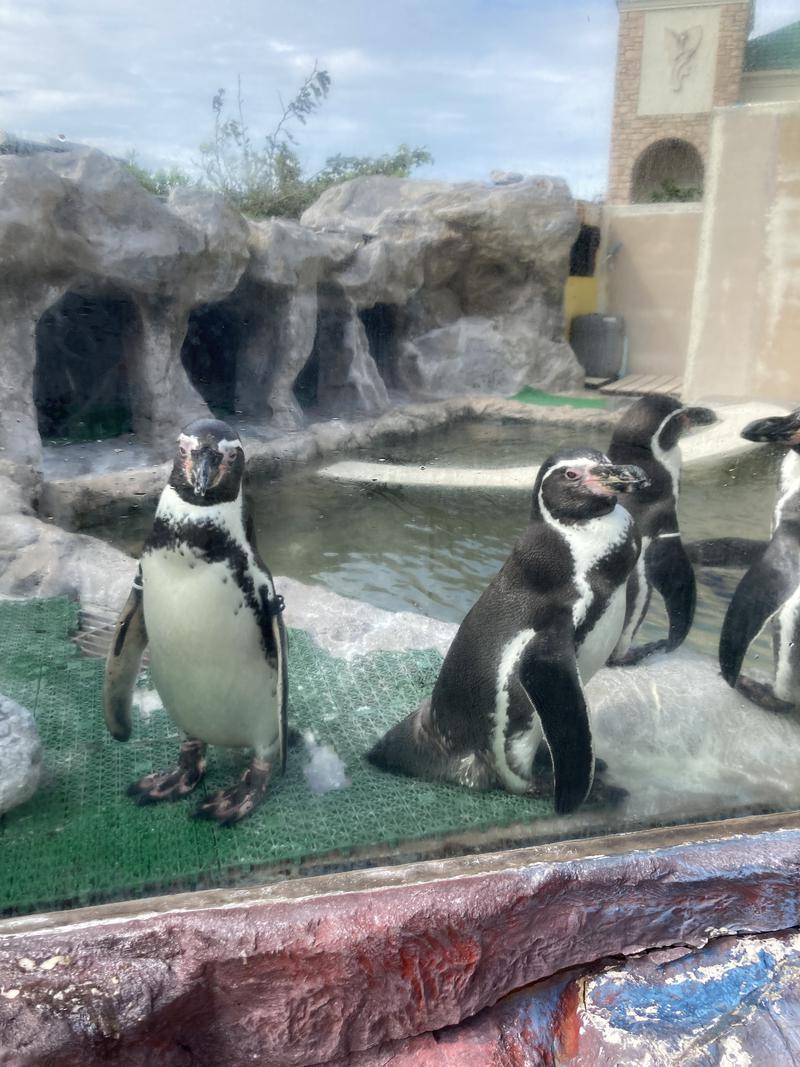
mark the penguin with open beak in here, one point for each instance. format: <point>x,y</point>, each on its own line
<point>514,674</point>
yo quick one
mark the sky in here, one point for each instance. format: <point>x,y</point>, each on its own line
<point>521,85</point>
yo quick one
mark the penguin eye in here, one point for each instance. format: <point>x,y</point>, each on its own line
<point>572,475</point>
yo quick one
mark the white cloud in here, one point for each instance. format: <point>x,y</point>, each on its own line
<point>511,84</point>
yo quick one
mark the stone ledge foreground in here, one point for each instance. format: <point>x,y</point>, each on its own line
<point>314,972</point>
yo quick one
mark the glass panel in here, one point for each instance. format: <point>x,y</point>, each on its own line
<point>400,464</point>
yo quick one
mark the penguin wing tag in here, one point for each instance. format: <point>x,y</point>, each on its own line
<point>548,672</point>
<point>760,593</point>
<point>123,662</point>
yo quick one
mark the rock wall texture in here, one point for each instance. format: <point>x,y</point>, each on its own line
<point>155,310</point>
<point>345,972</point>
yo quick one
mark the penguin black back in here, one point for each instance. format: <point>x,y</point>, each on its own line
<point>515,669</point>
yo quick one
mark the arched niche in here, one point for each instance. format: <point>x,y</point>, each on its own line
<point>81,382</point>
<point>670,170</point>
<point>209,353</point>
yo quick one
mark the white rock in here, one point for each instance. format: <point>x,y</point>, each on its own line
<point>325,770</point>
<point>20,755</point>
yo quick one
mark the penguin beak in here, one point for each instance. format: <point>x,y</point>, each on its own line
<point>784,429</point>
<point>698,417</point>
<point>201,474</point>
<point>610,478</point>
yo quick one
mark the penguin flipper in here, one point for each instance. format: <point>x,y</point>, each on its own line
<point>273,630</point>
<point>123,661</point>
<point>759,594</point>
<point>669,569</point>
<point>549,675</point>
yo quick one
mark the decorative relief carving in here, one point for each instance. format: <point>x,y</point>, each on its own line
<point>682,48</point>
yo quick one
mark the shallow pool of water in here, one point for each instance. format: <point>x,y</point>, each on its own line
<point>433,551</point>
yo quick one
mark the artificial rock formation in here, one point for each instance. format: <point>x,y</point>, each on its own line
<point>471,274</point>
<point>123,311</point>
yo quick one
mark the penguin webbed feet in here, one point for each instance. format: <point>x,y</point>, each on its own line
<point>606,795</point>
<point>229,806</point>
<point>762,695</point>
<point>175,783</point>
<point>636,655</point>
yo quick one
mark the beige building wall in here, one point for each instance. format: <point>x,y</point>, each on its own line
<point>745,328</point>
<point>762,86</point>
<point>649,280</point>
<point>647,107</point>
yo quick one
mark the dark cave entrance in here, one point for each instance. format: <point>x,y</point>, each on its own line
<point>209,354</point>
<point>380,324</point>
<point>311,384</point>
<point>80,385</point>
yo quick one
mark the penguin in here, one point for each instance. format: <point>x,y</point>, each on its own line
<point>205,604</point>
<point>648,436</point>
<point>515,672</point>
<point>770,590</point>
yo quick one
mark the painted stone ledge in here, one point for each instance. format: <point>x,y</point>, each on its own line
<point>310,972</point>
<point>734,1002</point>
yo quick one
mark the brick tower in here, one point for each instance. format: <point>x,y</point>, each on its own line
<point>676,60</point>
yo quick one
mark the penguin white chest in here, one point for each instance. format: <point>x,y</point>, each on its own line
<point>602,639</point>
<point>206,656</point>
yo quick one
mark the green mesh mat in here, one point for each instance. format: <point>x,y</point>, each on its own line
<point>539,396</point>
<point>81,840</point>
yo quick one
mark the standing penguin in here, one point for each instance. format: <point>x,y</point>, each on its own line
<point>770,590</point>
<point>206,604</point>
<point>648,435</point>
<point>515,671</point>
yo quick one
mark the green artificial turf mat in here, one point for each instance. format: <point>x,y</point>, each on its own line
<point>539,396</point>
<point>81,840</point>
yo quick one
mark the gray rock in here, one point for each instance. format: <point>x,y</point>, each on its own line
<point>20,755</point>
<point>474,275</point>
<point>506,177</point>
<point>80,222</point>
<point>387,285</point>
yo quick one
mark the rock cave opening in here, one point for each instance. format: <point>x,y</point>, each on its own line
<point>381,326</point>
<point>81,382</point>
<point>209,354</point>
<point>329,341</point>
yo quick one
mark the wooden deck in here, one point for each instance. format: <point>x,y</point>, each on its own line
<point>643,385</point>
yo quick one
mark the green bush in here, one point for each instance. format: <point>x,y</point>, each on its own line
<point>265,178</point>
<point>671,192</point>
<point>159,182</point>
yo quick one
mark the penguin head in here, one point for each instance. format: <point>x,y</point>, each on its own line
<point>576,485</point>
<point>209,463</point>
<point>780,429</point>
<point>658,422</point>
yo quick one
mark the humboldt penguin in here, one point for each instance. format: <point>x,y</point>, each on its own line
<point>770,590</point>
<point>205,604</point>
<point>515,672</point>
<point>648,435</point>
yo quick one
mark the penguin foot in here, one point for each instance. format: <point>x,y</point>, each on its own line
<point>175,783</point>
<point>605,794</point>
<point>636,655</point>
<point>228,806</point>
<point>763,695</point>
